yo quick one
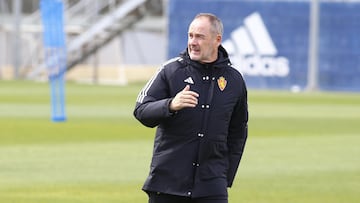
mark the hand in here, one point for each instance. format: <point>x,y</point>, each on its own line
<point>183,99</point>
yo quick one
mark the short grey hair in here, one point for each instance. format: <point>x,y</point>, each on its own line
<point>216,24</point>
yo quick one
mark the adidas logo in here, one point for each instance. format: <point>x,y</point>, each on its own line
<point>252,50</point>
<point>189,80</point>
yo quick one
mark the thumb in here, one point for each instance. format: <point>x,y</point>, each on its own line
<point>187,88</point>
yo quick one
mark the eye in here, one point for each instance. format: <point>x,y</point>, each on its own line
<point>200,36</point>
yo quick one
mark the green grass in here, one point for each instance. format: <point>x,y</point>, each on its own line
<point>302,147</point>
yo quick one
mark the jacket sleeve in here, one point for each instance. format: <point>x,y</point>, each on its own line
<point>152,104</point>
<point>238,132</point>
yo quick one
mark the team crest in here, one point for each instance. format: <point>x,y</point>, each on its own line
<point>221,83</point>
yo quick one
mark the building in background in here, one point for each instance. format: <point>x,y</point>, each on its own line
<point>103,38</point>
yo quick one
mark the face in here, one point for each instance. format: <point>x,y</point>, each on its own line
<point>202,43</point>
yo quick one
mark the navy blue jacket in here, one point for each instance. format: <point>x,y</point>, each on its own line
<point>197,151</point>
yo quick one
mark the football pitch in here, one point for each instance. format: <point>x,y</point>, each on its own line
<point>302,147</point>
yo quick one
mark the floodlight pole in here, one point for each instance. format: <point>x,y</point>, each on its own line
<point>313,67</point>
<point>17,4</point>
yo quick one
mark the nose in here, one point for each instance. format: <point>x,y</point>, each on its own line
<point>192,40</point>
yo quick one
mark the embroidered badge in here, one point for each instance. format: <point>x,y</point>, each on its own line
<point>221,83</point>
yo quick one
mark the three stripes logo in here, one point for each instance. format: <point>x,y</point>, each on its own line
<point>189,80</point>
<point>253,51</point>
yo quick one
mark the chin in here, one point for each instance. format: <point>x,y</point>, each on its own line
<point>194,57</point>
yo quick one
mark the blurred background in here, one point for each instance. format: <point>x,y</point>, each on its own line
<point>102,37</point>
<point>300,60</point>
<point>276,44</point>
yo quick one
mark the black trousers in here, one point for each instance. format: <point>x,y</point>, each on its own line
<point>166,198</point>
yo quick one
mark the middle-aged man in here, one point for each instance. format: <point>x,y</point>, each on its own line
<point>199,103</point>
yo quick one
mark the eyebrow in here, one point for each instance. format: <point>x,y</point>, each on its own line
<point>196,34</point>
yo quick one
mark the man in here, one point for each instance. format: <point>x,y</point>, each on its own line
<point>199,103</point>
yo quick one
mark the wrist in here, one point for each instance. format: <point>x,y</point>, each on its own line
<point>170,107</point>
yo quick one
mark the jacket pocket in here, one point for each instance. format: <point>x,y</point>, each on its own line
<point>215,162</point>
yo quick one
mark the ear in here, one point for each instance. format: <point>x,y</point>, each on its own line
<point>218,39</point>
